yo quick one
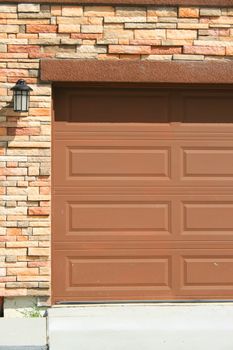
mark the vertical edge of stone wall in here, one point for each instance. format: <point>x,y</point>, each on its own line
<point>33,31</point>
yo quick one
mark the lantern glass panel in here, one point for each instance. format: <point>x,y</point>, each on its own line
<point>24,102</point>
<point>17,101</point>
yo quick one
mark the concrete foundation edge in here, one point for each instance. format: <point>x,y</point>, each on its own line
<point>23,347</point>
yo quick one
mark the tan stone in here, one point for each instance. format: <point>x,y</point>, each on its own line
<point>118,34</point>
<point>41,230</point>
<point>181,34</point>
<point>25,285</point>
<point>9,28</point>
<point>211,12</point>
<point>8,8</point>
<point>222,20</point>
<point>158,57</point>
<point>150,34</point>
<point>69,28</point>
<point>28,7</point>
<point>192,26</point>
<point>98,11</point>
<point>188,57</point>
<point>72,11</point>
<point>29,144</point>
<point>73,20</point>
<point>129,49</point>
<point>132,11</point>
<point>24,278</point>
<point>162,11</point>
<point>39,251</point>
<point>21,244</point>
<point>212,43</point>
<point>116,19</point>
<point>2,271</point>
<point>44,270</point>
<point>91,28</point>
<point>22,271</point>
<point>140,25</point>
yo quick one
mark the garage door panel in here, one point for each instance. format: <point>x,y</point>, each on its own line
<point>106,164</point>
<point>212,216</point>
<point>118,162</point>
<point>112,219</point>
<point>112,273</point>
<point>118,217</point>
<point>206,272</point>
<point>112,105</point>
<point>206,218</point>
<point>211,164</point>
<point>206,163</point>
<point>206,106</point>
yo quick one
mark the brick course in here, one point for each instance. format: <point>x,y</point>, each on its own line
<point>30,32</point>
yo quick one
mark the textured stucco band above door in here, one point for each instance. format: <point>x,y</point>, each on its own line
<point>208,72</point>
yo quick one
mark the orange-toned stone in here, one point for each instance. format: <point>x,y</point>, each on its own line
<point>7,238</point>
<point>23,131</point>
<point>22,271</point>
<point>40,111</point>
<point>130,57</point>
<point>38,211</point>
<point>205,50</point>
<point>23,48</point>
<point>2,131</point>
<point>104,56</point>
<point>41,28</point>
<point>229,51</point>
<point>14,231</point>
<point>56,10</point>
<point>12,164</point>
<point>190,12</point>
<point>44,190</point>
<point>21,238</point>
<point>38,264</point>
<point>165,50</point>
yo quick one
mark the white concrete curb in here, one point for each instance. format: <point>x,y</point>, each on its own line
<point>23,332</point>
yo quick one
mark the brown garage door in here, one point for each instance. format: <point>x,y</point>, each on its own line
<point>142,193</point>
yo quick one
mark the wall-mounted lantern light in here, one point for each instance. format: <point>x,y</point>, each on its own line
<point>21,94</point>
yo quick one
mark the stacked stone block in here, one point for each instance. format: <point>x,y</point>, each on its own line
<point>31,32</point>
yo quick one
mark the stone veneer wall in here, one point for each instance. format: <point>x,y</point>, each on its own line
<point>30,32</point>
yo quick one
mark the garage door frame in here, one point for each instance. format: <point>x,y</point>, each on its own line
<point>102,72</point>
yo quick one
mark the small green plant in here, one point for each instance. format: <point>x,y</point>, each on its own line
<point>33,312</point>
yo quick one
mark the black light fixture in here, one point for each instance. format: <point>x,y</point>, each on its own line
<point>21,93</point>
